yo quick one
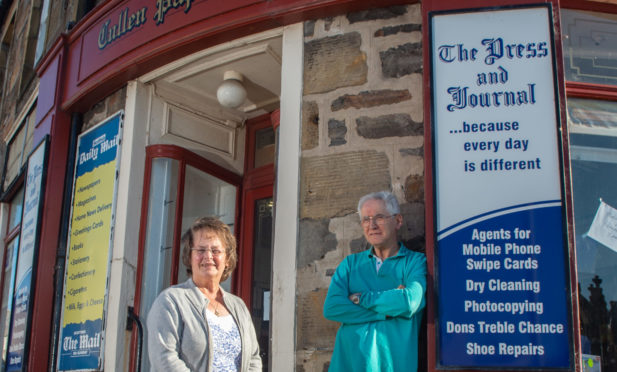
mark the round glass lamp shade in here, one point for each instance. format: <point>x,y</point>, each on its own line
<point>231,93</point>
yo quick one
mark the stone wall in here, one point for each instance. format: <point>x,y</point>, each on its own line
<point>362,131</point>
<point>105,108</point>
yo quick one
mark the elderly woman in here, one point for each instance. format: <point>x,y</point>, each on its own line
<point>196,325</point>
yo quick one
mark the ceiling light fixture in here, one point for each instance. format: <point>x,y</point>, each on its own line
<point>231,93</point>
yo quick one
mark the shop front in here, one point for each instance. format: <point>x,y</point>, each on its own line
<point>276,117</point>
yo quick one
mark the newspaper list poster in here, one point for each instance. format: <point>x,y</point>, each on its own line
<point>503,290</point>
<point>26,260</point>
<point>88,251</point>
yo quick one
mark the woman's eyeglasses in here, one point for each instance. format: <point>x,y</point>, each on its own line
<point>200,252</point>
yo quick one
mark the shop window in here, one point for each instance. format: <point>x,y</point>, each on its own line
<point>593,152</point>
<point>589,46</point>
<point>19,149</point>
<point>180,187</point>
<point>590,59</point>
<point>7,281</point>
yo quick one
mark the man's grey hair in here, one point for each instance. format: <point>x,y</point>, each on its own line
<point>388,199</point>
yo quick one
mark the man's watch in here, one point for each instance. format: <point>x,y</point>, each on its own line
<point>355,299</point>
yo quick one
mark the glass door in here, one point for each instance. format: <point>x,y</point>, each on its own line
<point>180,186</point>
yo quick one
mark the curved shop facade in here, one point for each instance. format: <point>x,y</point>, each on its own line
<point>131,144</point>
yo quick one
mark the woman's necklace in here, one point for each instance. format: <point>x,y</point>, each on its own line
<point>216,303</point>
<point>216,309</point>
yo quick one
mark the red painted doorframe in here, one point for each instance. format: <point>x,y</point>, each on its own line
<point>429,6</point>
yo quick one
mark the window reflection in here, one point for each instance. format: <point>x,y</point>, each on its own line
<point>593,151</point>
<point>206,195</point>
<point>589,46</point>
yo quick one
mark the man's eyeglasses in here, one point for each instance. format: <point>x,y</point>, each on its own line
<point>379,219</point>
<point>200,252</point>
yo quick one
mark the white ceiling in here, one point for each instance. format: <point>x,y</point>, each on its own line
<point>194,80</point>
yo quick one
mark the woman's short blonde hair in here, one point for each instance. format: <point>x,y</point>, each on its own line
<point>222,231</point>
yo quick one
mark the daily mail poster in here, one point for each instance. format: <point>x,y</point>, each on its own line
<point>502,284</point>
<point>88,251</point>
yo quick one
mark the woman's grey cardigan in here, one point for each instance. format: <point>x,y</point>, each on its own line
<point>178,334</point>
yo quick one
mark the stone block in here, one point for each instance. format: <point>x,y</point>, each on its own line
<point>331,185</point>
<point>375,14</point>
<point>93,116</point>
<point>116,101</point>
<point>310,125</point>
<point>403,60</point>
<point>313,330</point>
<point>334,62</point>
<point>358,245</point>
<point>336,132</point>
<point>315,240</point>
<point>413,222</point>
<point>370,99</point>
<point>393,125</point>
<point>412,152</point>
<point>393,30</point>
<point>309,28</point>
<point>414,189</point>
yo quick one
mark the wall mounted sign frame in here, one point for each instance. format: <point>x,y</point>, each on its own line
<point>501,255</point>
<point>90,240</point>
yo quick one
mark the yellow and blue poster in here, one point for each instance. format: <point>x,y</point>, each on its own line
<point>26,261</point>
<point>88,251</point>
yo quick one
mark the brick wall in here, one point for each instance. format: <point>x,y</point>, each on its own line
<point>362,131</point>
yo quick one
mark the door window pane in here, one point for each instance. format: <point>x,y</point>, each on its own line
<point>157,259</point>
<point>593,152</point>
<point>264,147</point>
<point>589,46</point>
<point>262,265</point>
<point>160,230</point>
<point>206,195</point>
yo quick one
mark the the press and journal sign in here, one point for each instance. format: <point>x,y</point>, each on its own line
<point>501,267</point>
<point>85,286</point>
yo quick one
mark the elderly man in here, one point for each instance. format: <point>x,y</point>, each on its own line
<point>377,295</point>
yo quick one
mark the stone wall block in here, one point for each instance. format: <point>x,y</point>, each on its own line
<point>414,189</point>
<point>358,245</point>
<point>393,30</point>
<point>97,113</point>
<point>310,125</point>
<point>393,125</point>
<point>370,99</point>
<point>412,151</point>
<point>315,240</point>
<point>334,62</point>
<point>376,14</point>
<point>313,330</point>
<point>309,28</point>
<point>332,184</point>
<point>117,101</point>
<point>403,60</point>
<point>336,132</point>
<point>413,221</point>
